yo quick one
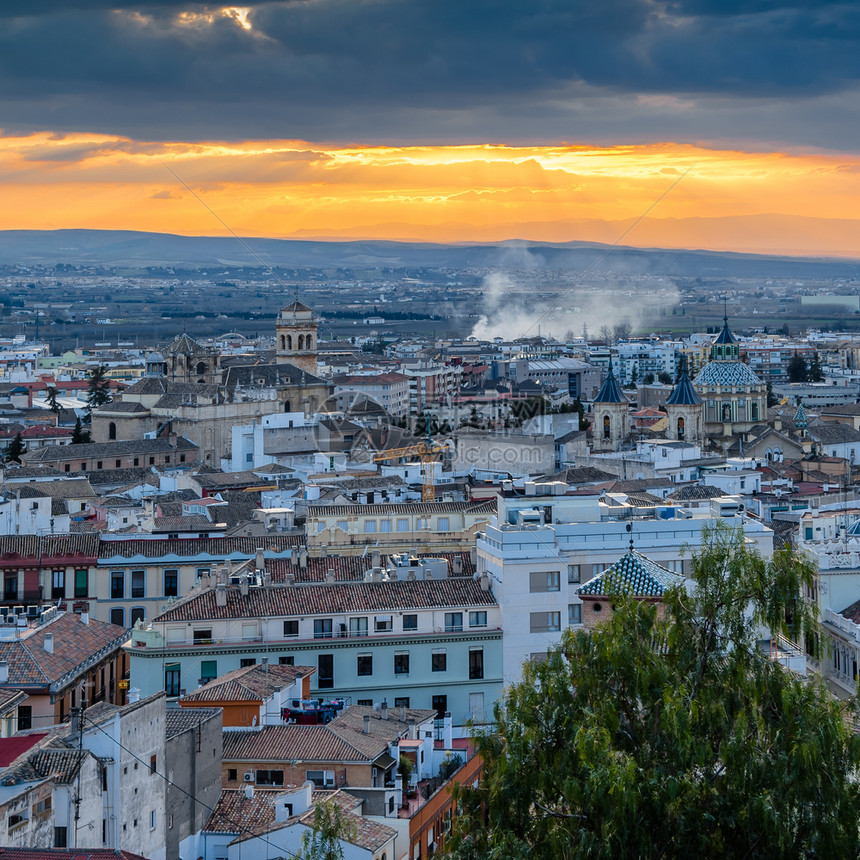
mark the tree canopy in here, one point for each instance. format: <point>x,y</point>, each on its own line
<point>98,392</point>
<point>672,734</point>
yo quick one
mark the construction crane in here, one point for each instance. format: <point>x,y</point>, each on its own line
<point>426,450</point>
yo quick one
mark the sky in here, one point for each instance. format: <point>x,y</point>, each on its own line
<point>697,123</point>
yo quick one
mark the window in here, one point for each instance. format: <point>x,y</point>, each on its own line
<point>17,819</point>
<point>573,573</point>
<point>25,717</point>
<point>247,661</point>
<point>383,623</point>
<point>423,524</point>
<point>476,706</point>
<point>82,587</point>
<point>137,614</point>
<point>544,580</point>
<point>289,660</point>
<point>117,584</point>
<point>117,616</point>
<point>401,701</point>
<point>202,636</point>
<point>410,622</point>
<point>325,671</point>
<point>574,613</point>
<point>208,670</point>
<point>440,705</point>
<point>358,627</point>
<point>138,583</point>
<point>597,568</point>
<point>171,679</point>
<point>58,583</point>
<point>477,619</point>
<point>171,583</point>
<point>365,664</point>
<point>544,622</point>
<point>342,525</point>
<point>322,628</point>
<point>321,778</point>
<point>10,586</point>
<point>370,526</point>
<point>201,572</point>
<point>443,524</point>
<point>365,703</point>
<point>385,525</point>
<point>231,774</point>
<point>270,777</point>
<point>403,525</point>
<point>153,764</point>
<point>60,837</point>
<point>476,664</point>
<point>401,663</point>
<point>453,622</point>
<point>291,628</point>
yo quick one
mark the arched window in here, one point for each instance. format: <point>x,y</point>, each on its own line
<point>289,341</point>
<point>111,431</point>
<point>754,411</point>
<point>117,616</point>
<point>301,341</point>
<point>309,342</point>
<point>137,614</point>
<point>201,368</point>
<point>283,342</point>
<point>680,428</point>
<point>606,426</point>
<point>287,406</point>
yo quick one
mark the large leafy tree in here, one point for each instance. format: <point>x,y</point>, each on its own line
<point>798,370</point>
<point>15,449</point>
<point>672,735</point>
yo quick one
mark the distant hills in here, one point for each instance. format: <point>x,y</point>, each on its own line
<point>135,249</point>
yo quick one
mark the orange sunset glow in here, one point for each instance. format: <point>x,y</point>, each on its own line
<point>697,197</point>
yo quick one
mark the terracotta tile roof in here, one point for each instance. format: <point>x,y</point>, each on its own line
<point>349,726</point>
<point>251,683</point>
<point>234,811</point>
<point>67,854</point>
<point>179,720</point>
<point>310,599</point>
<point>59,453</point>
<point>366,833</point>
<point>75,644</point>
<point>48,546</point>
<point>10,699</point>
<point>213,548</point>
<point>293,742</point>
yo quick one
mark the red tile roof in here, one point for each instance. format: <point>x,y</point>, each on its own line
<point>251,683</point>
<point>11,748</point>
<point>291,743</point>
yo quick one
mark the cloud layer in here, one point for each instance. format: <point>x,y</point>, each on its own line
<point>773,72</point>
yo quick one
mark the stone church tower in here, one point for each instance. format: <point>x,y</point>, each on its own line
<point>296,337</point>
<point>686,411</point>
<point>611,416</point>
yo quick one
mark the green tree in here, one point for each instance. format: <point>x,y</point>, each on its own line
<point>79,435</point>
<point>816,372</point>
<point>664,378</point>
<point>797,369</point>
<point>772,399</point>
<point>13,451</point>
<point>323,841</point>
<point>98,392</point>
<point>51,399</point>
<point>672,735</point>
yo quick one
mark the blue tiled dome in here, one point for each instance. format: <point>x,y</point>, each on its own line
<point>632,574</point>
<point>726,374</point>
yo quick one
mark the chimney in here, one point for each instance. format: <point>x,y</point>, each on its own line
<point>473,555</point>
<point>49,643</point>
<point>85,618</point>
<point>413,729</point>
<point>383,711</point>
<point>458,565</point>
<point>220,596</point>
<point>303,559</point>
<point>485,581</point>
<point>329,577</point>
<point>291,579</point>
<point>375,558</point>
<point>367,724</point>
<point>244,585</point>
<point>4,671</point>
<point>294,556</point>
<point>403,713</point>
<point>249,791</point>
<point>261,559</point>
<point>267,579</point>
<point>75,720</point>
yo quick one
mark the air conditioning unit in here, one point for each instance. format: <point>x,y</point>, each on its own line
<point>248,776</point>
<point>32,611</point>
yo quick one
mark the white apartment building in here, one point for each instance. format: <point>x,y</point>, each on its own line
<point>390,390</point>
<point>543,545</point>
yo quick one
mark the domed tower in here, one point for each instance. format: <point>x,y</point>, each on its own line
<point>685,410</point>
<point>735,398</point>
<point>296,337</point>
<point>155,365</point>
<point>611,416</point>
<point>187,361</point>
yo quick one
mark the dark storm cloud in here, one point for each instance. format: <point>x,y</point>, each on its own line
<point>403,70</point>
